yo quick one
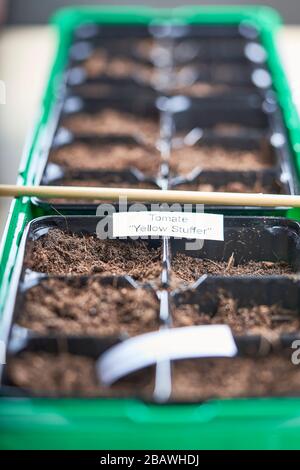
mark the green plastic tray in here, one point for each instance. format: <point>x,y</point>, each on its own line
<point>131,424</point>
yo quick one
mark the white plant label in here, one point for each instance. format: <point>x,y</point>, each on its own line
<point>167,344</point>
<point>169,224</point>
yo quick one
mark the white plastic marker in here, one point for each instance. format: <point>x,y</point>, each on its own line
<point>169,344</point>
<point>169,224</point>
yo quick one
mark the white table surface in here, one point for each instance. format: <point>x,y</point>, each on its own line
<point>25,57</point>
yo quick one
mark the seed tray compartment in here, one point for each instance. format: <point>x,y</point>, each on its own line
<point>210,51</point>
<point>97,32</point>
<point>203,149</point>
<point>125,179</point>
<point>260,113</point>
<point>243,115</point>
<point>184,122</point>
<point>232,378</point>
<point>96,117</point>
<point>140,106</point>
<point>106,87</point>
<point>140,384</point>
<point>234,181</point>
<point>251,78</point>
<point>79,306</point>
<point>86,348</point>
<point>91,153</point>
<point>250,239</point>
<point>273,313</point>
<point>55,175</point>
<point>240,83</point>
<point>102,68</point>
<point>83,226</point>
<point>205,43</point>
<point>180,46</point>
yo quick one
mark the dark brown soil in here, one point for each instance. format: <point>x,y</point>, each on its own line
<point>201,379</point>
<point>201,89</point>
<point>186,159</point>
<point>257,319</point>
<point>112,122</point>
<point>230,129</point>
<point>91,308</point>
<point>117,67</point>
<point>193,380</point>
<point>104,181</point>
<point>233,187</point>
<point>236,130</point>
<point>67,374</point>
<point>60,252</point>
<point>144,47</point>
<point>81,156</point>
<point>188,269</point>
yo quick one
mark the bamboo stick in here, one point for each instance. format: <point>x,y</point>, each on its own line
<point>151,195</point>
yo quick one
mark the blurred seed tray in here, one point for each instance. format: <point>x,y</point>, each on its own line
<point>97,32</point>
<point>230,181</point>
<point>183,59</point>
<point>189,42</point>
<point>103,153</point>
<point>56,176</point>
<point>82,351</point>
<point>202,150</point>
<point>213,50</point>
<point>71,372</point>
<point>239,117</point>
<point>106,87</point>
<point>221,79</point>
<point>243,117</point>
<point>98,75</point>
<point>139,118</point>
<point>190,83</point>
<point>239,377</point>
<point>141,105</point>
<point>179,124</point>
<point>267,181</point>
<point>75,357</point>
<point>198,149</point>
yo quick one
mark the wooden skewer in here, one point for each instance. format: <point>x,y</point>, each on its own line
<point>151,195</point>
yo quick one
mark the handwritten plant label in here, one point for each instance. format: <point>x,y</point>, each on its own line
<point>169,224</point>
